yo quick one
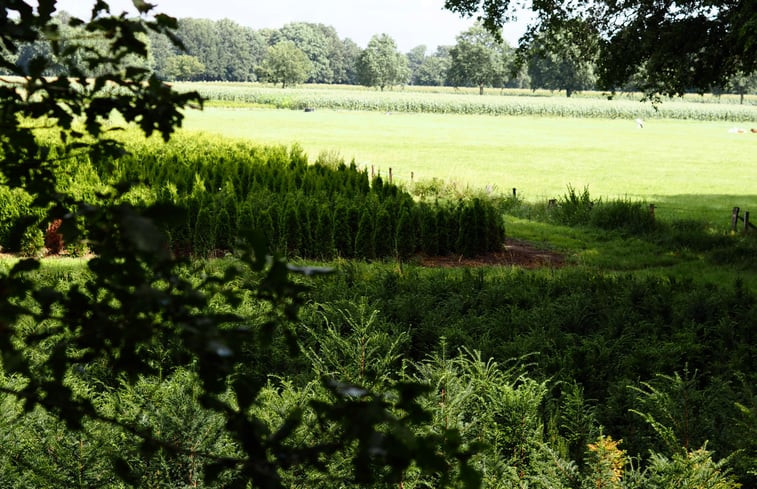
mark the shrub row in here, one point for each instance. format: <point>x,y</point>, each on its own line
<point>318,210</point>
<point>308,210</point>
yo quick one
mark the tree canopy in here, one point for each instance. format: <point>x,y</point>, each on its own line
<point>381,65</point>
<point>676,46</point>
<point>564,59</point>
<point>285,63</point>
<point>478,59</point>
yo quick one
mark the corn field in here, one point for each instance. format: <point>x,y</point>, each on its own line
<point>463,102</point>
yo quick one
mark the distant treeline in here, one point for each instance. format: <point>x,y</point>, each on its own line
<point>226,51</point>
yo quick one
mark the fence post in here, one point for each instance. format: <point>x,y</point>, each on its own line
<point>734,218</point>
<point>390,174</point>
<point>412,176</point>
<point>373,173</point>
<point>651,210</point>
<point>746,221</point>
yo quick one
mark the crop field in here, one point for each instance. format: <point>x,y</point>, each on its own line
<point>463,101</point>
<point>692,166</point>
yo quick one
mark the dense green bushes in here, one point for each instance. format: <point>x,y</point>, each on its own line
<point>542,373</point>
<point>576,208</point>
<point>688,349</point>
<point>322,210</point>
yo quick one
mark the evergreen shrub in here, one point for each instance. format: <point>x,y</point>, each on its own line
<point>321,210</point>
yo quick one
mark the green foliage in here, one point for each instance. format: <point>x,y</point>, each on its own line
<point>592,335</point>
<point>528,420</point>
<point>352,345</point>
<point>183,67</point>
<point>15,209</point>
<point>679,411</point>
<point>285,63</point>
<point>76,354</point>
<point>478,59</point>
<point>226,51</point>
<point>364,220</point>
<point>331,58</point>
<point>672,45</point>
<point>579,209</point>
<point>381,65</point>
<point>743,84</point>
<point>32,242</point>
<point>689,470</point>
<point>564,57</point>
<point>574,208</point>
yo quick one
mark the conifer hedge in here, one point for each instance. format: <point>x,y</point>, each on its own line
<point>308,210</point>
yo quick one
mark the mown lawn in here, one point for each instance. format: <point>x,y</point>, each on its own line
<point>690,168</point>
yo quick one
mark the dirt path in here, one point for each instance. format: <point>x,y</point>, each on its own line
<point>519,253</point>
<point>516,252</point>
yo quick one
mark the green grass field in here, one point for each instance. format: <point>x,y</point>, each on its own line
<point>687,167</point>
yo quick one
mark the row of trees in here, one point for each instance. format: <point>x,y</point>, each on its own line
<point>557,59</point>
<point>313,53</point>
<point>299,52</point>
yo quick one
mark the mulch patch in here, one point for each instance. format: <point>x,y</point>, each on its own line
<point>516,253</point>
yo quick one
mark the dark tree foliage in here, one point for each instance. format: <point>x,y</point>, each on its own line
<point>690,45</point>
<point>564,59</point>
<point>137,300</point>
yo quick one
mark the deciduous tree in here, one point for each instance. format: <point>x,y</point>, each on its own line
<point>742,84</point>
<point>564,59</point>
<point>683,46</point>
<point>478,59</point>
<point>285,63</point>
<point>321,45</point>
<point>182,67</point>
<point>381,65</point>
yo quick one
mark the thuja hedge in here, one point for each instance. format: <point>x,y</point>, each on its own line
<point>320,210</point>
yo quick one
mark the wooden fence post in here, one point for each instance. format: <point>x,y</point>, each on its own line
<point>746,221</point>
<point>734,219</point>
<point>373,173</point>
<point>651,210</point>
<point>390,174</point>
<point>515,193</point>
<point>412,176</point>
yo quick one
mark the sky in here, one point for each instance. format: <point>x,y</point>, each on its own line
<point>409,22</point>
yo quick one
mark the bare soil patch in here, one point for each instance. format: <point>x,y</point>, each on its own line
<point>518,253</point>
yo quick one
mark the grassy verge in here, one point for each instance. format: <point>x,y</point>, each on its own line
<point>680,249</point>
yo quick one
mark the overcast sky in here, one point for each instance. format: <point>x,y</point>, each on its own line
<point>409,22</point>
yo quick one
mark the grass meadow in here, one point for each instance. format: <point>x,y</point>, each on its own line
<point>688,168</point>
